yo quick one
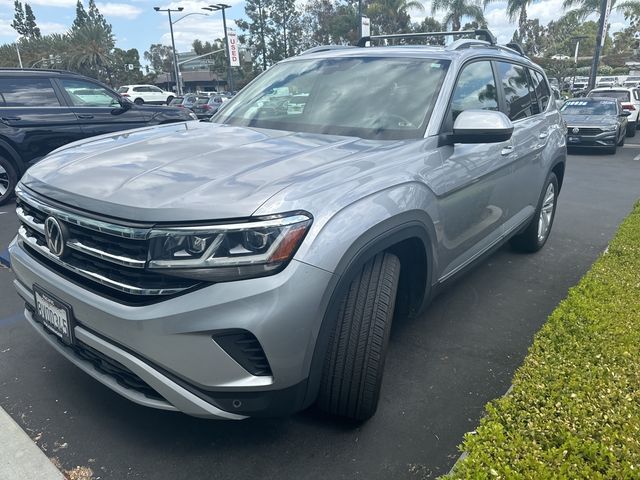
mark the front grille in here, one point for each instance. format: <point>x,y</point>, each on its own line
<point>586,130</point>
<point>108,258</point>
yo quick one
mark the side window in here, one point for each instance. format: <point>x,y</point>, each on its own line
<point>476,89</point>
<point>155,89</point>
<point>542,90</point>
<point>87,94</point>
<point>635,94</point>
<point>517,92</point>
<point>27,92</point>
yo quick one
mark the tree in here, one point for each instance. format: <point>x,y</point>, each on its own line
<point>584,8</point>
<point>90,51</point>
<point>82,18</point>
<point>326,22</point>
<point>257,30</point>
<point>286,27</point>
<point>18,19</point>
<point>30,22</point>
<point>121,59</point>
<point>24,21</point>
<point>160,57</point>
<point>96,18</point>
<point>456,10</point>
<point>391,16</point>
<point>531,37</point>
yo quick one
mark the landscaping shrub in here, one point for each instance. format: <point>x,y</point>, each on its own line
<point>574,410</point>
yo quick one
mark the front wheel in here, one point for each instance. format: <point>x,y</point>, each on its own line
<point>138,101</point>
<point>354,363</point>
<point>8,180</point>
<point>537,232</point>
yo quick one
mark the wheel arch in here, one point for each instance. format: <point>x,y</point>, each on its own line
<point>558,168</point>
<point>6,150</point>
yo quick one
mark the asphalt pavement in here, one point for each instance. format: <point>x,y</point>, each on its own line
<point>441,370</point>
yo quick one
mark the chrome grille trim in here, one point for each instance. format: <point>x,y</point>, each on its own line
<point>134,233</point>
<point>95,276</point>
<point>29,220</point>
<point>102,255</point>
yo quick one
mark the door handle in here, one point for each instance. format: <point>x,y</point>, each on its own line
<point>507,150</point>
<point>85,115</point>
<point>11,119</point>
<point>543,135</point>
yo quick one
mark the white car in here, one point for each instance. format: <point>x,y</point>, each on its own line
<point>632,81</point>
<point>140,94</point>
<point>630,100</point>
<point>607,82</point>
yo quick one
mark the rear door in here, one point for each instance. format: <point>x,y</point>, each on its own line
<point>530,135</point>
<point>98,108</point>
<point>34,117</point>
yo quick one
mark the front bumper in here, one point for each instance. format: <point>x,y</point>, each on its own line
<point>606,139</point>
<point>169,345</point>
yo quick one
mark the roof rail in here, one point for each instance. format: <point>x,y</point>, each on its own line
<point>516,47</point>
<point>324,48</point>
<point>54,70</point>
<point>466,43</point>
<point>482,33</point>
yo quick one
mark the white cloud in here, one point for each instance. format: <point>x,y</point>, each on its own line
<point>195,27</point>
<point>46,3</point>
<point>48,28</point>
<point>119,10</point>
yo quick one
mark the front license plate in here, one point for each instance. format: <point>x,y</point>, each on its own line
<point>54,315</point>
<point>574,139</point>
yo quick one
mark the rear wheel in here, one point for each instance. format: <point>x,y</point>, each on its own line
<point>537,232</point>
<point>138,101</point>
<point>354,362</point>
<point>8,180</point>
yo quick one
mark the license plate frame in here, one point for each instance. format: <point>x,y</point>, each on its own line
<point>55,315</point>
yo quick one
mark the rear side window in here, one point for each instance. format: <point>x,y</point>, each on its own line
<point>517,91</point>
<point>476,89</point>
<point>542,89</point>
<point>27,92</point>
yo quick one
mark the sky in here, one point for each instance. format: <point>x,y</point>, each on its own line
<point>137,25</point>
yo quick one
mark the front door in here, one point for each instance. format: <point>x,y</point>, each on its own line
<point>99,109</point>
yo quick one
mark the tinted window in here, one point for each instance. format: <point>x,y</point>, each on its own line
<point>622,95</point>
<point>541,89</point>
<point>27,92</point>
<point>517,91</point>
<point>155,90</point>
<point>123,89</point>
<point>476,89</point>
<point>87,94</point>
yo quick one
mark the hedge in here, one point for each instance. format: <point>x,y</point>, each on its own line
<point>574,409</point>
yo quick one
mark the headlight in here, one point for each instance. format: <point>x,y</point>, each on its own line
<point>609,128</point>
<point>193,116</point>
<point>230,251</point>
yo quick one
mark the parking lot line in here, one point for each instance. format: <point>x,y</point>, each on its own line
<point>637,157</point>
<point>20,457</point>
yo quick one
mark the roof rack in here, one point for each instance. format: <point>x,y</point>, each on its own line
<point>481,33</point>
<point>324,48</point>
<point>517,47</point>
<point>43,70</point>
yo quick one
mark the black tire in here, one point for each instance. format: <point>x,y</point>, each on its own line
<point>8,180</point>
<point>138,101</point>
<point>529,241</point>
<point>354,363</point>
<point>169,99</point>
<point>621,142</point>
<point>612,150</point>
<point>631,129</point>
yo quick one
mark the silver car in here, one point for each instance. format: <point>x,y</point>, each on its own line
<point>252,266</point>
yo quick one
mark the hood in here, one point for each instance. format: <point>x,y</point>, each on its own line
<point>590,120</point>
<point>185,172</point>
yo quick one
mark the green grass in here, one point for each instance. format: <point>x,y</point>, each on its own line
<point>574,410</point>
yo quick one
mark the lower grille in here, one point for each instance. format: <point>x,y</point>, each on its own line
<point>245,349</point>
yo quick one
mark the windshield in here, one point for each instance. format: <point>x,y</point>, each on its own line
<point>621,95</point>
<point>379,98</point>
<point>583,107</point>
<point>123,89</point>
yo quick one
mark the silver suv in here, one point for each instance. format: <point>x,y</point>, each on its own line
<point>251,266</point>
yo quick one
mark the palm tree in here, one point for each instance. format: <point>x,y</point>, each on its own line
<point>583,8</point>
<point>517,9</point>
<point>391,16</point>
<point>456,10</point>
<point>90,50</point>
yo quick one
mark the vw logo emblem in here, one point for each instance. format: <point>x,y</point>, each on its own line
<point>53,236</point>
<point>576,130</point>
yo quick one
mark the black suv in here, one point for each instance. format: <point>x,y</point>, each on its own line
<point>41,110</point>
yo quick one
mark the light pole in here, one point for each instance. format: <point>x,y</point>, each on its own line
<point>223,7</point>
<point>173,45</point>
<point>18,51</point>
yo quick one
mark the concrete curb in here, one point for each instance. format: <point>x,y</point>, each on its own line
<point>20,458</point>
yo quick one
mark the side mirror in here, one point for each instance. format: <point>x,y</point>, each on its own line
<point>481,126</point>
<point>625,113</point>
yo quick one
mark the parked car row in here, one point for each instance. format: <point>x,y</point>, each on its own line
<point>204,106</point>
<point>42,110</point>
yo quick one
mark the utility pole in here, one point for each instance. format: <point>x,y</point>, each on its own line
<point>18,51</point>
<point>173,46</point>
<point>605,5</point>
<point>575,57</point>
<point>264,45</point>
<point>223,7</point>
<point>359,19</point>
